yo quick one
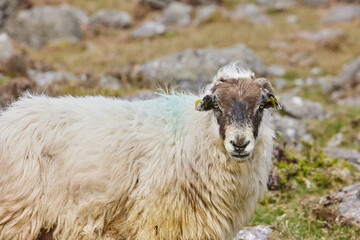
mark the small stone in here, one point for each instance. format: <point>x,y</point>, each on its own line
<point>350,203</point>
<point>300,108</point>
<point>351,155</point>
<point>176,14</point>
<point>335,140</point>
<point>292,19</point>
<point>6,47</point>
<point>279,5</point>
<point>45,79</point>
<point>110,83</point>
<point>280,83</point>
<point>149,29</point>
<point>248,12</point>
<point>340,13</point>
<point>260,232</point>
<point>276,70</point>
<point>111,18</point>
<point>315,71</point>
<point>351,101</point>
<point>351,72</point>
<point>322,36</point>
<point>204,13</point>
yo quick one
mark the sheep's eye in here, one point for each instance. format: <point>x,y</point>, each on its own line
<point>262,105</point>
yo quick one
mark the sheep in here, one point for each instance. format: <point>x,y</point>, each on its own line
<point>104,168</point>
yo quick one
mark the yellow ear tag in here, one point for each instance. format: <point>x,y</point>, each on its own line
<point>272,100</point>
<point>197,103</point>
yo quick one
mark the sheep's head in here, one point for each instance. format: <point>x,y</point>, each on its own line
<point>238,101</point>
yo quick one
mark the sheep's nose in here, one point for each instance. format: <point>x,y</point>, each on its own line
<point>239,147</point>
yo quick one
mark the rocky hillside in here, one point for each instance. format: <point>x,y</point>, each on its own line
<point>310,50</point>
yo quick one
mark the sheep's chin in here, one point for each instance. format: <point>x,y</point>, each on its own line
<point>240,159</point>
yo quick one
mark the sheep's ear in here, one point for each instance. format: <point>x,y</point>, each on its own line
<point>204,104</point>
<point>272,101</point>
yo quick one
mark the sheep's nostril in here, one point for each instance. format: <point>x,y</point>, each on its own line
<point>239,147</point>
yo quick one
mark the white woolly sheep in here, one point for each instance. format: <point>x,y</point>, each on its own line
<point>103,168</point>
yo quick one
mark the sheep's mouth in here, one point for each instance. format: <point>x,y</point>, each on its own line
<point>245,155</point>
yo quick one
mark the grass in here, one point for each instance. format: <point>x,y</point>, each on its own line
<point>306,176</point>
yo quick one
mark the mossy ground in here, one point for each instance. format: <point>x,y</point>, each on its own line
<point>290,209</point>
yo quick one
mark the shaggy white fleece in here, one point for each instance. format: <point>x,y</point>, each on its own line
<point>103,168</point>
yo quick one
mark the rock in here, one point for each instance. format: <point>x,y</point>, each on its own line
<point>111,18</point>
<point>340,13</point>
<point>62,22</point>
<point>204,13</point>
<point>9,8</point>
<point>350,155</point>
<point>176,14</point>
<point>13,89</point>
<point>110,83</point>
<point>149,29</point>
<point>274,181</point>
<point>248,12</point>
<point>289,128</point>
<point>330,84</point>
<point>349,205</point>
<point>6,47</point>
<point>145,95</point>
<point>159,4</point>
<point>351,101</point>
<point>280,83</point>
<point>315,71</point>
<point>260,232</point>
<point>278,5</point>
<point>316,3</point>
<point>351,73</point>
<point>300,108</point>
<point>322,36</point>
<point>335,140</point>
<point>292,19</point>
<point>193,69</point>
<point>301,59</point>
<point>45,79</point>
<point>276,70</point>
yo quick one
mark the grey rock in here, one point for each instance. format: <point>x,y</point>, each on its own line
<point>111,18</point>
<point>204,13</point>
<point>6,47</point>
<point>335,140</point>
<point>299,58</point>
<point>62,22</point>
<point>149,29</point>
<point>280,83</point>
<point>176,14</point>
<point>110,82</point>
<point>145,95</point>
<point>159,4</point>
<point>278,4</point>
<point>276,70</point>
<point>8,9</point>
<point>351,72</point>
<point>289,128</point>
<point>316,3</point>
<point>350,201</point>
<point>45,79</point>
<point>292,19</point>
<point>193,69</point>
<point>315,71</point>
<point>260,232</point>
<point>330,84</point>
<point>248,12</point>
<point>300,108</point>
<point>350,155</point>
<point>322,36</point>
<point>351,101</point>
<point>341,13</point>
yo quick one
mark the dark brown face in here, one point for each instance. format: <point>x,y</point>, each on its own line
<point>238,105</point>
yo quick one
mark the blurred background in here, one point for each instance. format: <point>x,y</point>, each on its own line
<point>309,49</point>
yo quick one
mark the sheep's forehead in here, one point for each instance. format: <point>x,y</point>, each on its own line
<point>232,91</point>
